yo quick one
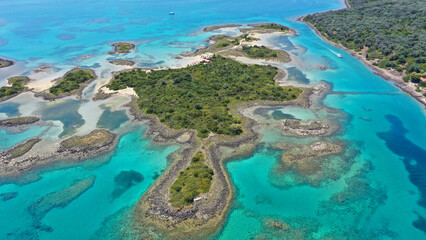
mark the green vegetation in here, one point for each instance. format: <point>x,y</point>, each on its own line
<point>198,96</point>
<point>17,121</point>
<point>18,85</point>
<point>191,182</point>
<point>21,148</point>
<point>71,81</point>
<point>122,47</point>
<point>225,41</point>
<point>387,31</point>
<point>272,26</point>
<point>260,52</point>
<point>212,28</point>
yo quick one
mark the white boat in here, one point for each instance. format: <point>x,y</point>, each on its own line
<point>339,55</point>
<point>171,13</point>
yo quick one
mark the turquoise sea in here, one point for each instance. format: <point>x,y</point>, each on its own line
<point>375,189</point>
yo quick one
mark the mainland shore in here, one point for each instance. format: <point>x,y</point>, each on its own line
<point>395,79</point>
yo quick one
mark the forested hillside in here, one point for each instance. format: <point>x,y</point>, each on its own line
<point>391,33</point>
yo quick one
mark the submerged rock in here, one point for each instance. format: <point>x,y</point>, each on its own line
<point>125,180</point>
<point>8,196</point>
<point>299,128</point>
<point>59,199</point>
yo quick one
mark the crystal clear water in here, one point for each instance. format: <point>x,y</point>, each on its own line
<point>374,190</point>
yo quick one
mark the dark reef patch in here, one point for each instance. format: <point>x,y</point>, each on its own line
<point>59,199</point>
<point>410,152</point>
<point>279,115</point>
<point>8,196</point>
<point>296,75</point>
<point>125,180</point>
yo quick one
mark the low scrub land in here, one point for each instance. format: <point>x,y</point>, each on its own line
<point>264,53</point>
<point>197,97</point>
<point>97,138</point>
<point>71,81</point>
<point>18,121</point>
<point>225,41</point>
<point>191,182</point>
<point>17,86</point>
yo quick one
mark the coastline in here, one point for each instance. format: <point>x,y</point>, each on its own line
<point>383,73</point>
<point>46,95</point>
<point>48,153</point>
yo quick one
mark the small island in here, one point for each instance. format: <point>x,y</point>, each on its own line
<point>73,82</point>
<point>95,142</point>
<point>18,121</point>
<point>18,150</point>
<point>17,86</point>
<point>5,63</point>
<point>217,27</point>
<point>122,47</point>
<point>123,62</point>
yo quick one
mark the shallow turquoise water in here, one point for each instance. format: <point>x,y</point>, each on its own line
<point>8,139</point>
<point>80,218</point>
<point>384,184</point>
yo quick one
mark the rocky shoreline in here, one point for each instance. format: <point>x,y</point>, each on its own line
<point>18,121</point>
<point>205,216</point>
<point>5,63</point>
<point>293,127</point>
<point>49,152</point>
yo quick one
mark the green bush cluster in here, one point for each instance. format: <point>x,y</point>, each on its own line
<point>224,41</point>
<point>260,52</point>
<point>273,26</point>
<point>17,87</point>
<point>197,97</point>
<point>191,182</point>
<point>124,47</point>
<point>392,30</point>
<point>71,81</point>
